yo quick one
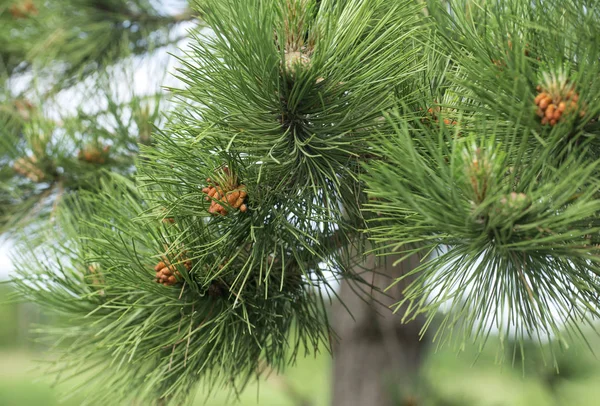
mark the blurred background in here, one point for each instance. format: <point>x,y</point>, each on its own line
<point>450,377</point>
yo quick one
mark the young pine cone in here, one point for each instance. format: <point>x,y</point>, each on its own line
<point>233,198</point>
<point>511,205</point>
<point>168,274</point>
<point>555,99</point>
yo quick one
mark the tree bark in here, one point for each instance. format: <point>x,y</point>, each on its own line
<point>377,358</point>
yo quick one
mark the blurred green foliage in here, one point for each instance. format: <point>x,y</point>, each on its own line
<point>9,319</point>
<point>451,381</point>
<point>471,378</point>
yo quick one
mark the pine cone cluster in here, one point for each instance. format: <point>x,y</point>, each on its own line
<point>228,196</point>
<point>23,10</point>
<point>555,99</point>
<point>479,172</point>
<point>167,274</point>
<point>29,167</point>
<point>500,63</point>
<point>94,154</point>
<point>434,112</point>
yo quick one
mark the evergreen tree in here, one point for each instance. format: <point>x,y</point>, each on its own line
<point>449,146</point>
<point>50,56</point>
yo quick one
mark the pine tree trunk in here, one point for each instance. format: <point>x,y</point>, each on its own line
<point>377,358</point>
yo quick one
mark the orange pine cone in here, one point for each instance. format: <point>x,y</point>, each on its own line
<point>30,8</point>
<point>23,10</point>
<point>222,197</point>
<point>550,111</point>
<point>552,106</point>
<point>167,274</point>
<point>233,197</point>
<point>239,203</point>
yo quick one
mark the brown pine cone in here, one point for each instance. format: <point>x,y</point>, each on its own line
<point>555,99</point>
<point>221,197</point>
<point>167,275</point>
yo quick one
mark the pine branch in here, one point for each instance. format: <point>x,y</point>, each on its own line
<point>467,136</point>
<point>249,197</point>
<point>71,39</point>
<point>498,186</point>
<point>44,158</point>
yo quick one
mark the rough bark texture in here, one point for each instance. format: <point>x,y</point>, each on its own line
<point>377,357</point>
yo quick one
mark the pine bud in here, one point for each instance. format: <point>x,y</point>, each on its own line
<point>510,205</point>
<point>556,97</point>
<point>227,195</point>
<point>478,171</point>
<point>296,61</point>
